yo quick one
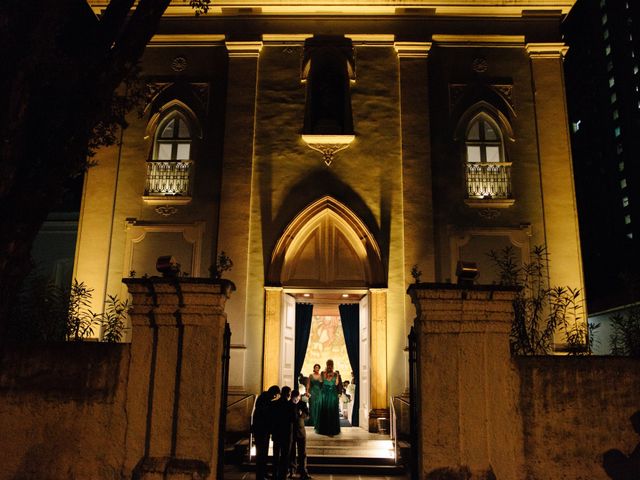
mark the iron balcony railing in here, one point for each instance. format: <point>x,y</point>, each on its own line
<point>489,180</point>
<point>168,177</point>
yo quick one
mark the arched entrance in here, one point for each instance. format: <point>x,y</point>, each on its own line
<point>327,256</point>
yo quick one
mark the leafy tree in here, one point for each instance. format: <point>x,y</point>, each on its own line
<point>541,310</point>
<point>67,85</point>
<point>625,333</point>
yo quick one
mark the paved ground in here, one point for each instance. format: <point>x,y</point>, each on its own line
<point>232,473</point>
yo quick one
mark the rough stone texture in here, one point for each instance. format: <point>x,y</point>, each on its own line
<point>174,404</point>
<point>107,411</point>
<point>62,411</point>
<point>468,425</point>
<point>574,410</point>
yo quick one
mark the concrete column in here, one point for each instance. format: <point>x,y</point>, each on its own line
<point>95,226</point>
<point>416,158</point>
<point>467,386</point>
<point>562,236</point>
<point>378,336</point>
<point>237,168</point>
<point>174,390</point>
<point>272,336</point>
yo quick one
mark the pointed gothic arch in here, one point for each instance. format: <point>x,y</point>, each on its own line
<point>326,245</point>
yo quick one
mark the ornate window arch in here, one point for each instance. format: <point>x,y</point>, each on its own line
<point>486,165</point>
<point>170,165</point>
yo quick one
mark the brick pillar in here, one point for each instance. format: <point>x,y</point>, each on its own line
<point>174,389</point>
<point>468,422</point>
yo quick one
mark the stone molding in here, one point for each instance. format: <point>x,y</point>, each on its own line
<point>547,50</point>
<point>412,49</point>
<point>243,49</point>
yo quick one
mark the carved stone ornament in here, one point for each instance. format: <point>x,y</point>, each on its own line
<point>479,65</point>
<point>489,213</point>
<point>166,210</point>
<point>328,145</point>
<point>179,64</point>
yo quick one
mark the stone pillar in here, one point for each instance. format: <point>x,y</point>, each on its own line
<point>417,195</point>
<point>272,336</point>
<point>562,236</point>
<point>378,336</point>
<point>237,168</point>
<point>416,158</point>
<point>174,391</point>
<point>468,421</point>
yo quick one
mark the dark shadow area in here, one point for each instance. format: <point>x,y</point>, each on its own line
<point>619,466</point>
<point>303,194</point>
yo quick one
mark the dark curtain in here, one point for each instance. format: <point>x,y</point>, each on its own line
<point>350,318</point>
<point>304,312</point>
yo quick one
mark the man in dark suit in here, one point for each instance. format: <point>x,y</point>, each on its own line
<point>262,426</point>
<point>299,441</point>
<point>283,421</point>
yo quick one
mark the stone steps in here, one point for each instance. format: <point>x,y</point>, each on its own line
<point>344,455</point>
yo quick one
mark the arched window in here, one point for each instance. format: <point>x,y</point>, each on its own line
<point>488,175</point>
<point>169,170</point>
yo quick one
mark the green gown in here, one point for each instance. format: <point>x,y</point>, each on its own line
<point>315,394</point>
<point>328,419</point>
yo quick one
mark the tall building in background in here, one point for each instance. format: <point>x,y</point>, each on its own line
<point>603,79</point>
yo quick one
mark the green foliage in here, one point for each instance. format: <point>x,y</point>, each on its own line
<point>40,314</point>
<point>80,320</point>
<point>114,319</point>
<point>540,310</point>
<point>416,273</point>
<point>49,313</point>
<point>223,264</point>
<point>625,333</point>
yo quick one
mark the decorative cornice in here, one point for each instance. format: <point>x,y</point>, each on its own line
<point>186,40</point>
<point>243,49</point>
<point>476,40</point>
<point>546,50</point>
<point>412,49</point>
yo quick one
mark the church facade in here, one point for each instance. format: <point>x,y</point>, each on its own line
<point>328,148</point>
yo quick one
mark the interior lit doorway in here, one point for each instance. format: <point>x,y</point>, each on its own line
<point>326,340</point>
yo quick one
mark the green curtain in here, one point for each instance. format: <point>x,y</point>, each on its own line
<point>350,318</point>
<point>304,312</point>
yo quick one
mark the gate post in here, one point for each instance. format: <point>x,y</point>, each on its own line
<point>467,389</point>
<point>175,385</point>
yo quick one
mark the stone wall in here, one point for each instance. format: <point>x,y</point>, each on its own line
<point>574,410</point>
<point>62,410</point>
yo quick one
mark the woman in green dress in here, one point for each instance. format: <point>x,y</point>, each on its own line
<point>328,419</point>
<point>314,392</point>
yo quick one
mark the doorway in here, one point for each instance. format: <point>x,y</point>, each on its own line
<point>328,338</point>
<point>327,252</point>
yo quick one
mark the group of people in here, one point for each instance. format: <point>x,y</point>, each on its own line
<point>281,414</point>
<point>323,390</point>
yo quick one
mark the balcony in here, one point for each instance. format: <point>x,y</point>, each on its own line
<point>168,182</point>
<point>489,184</point>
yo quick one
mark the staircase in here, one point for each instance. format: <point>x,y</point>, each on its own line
<point>354,451</point>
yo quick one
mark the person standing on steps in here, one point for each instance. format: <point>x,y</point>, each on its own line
<point>283,420</point>
<point>261,428</point>
<point>328,420</point>
<point>299,441</point>
<point>314,393</point>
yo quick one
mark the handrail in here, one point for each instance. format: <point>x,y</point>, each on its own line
<point>249,395</point>
<point>394,436</point>
<point>253,410</point>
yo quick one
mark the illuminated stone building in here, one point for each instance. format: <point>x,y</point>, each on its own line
<point>327,147</point>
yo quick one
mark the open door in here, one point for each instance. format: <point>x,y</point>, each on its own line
<point>288,339</point>
<point>364,377</point>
